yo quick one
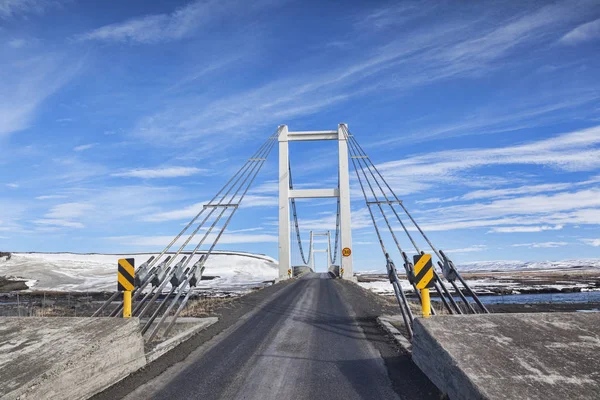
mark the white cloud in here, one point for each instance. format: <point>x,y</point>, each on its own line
<point>189,212</point>
<point>152,173</point>
<point>84,147</point>
<point>529,189</point>
<point>422,56</point>
<point>50,197</point>
<point>59,223</point>
<point>12,185</point>
<point>583,33</point>
<point>269,187</point>
<point>520,214</point>
<point>226,238</point>
<point>69,210</point>
<point>527,205</point>
<point>186,213</point>
<point>522,229</point>
<point>591,242</point>
<point>26,82</point>
<point>108,205</point>
<point>171,26</point>
<point>470,249</point>
<point>17,43</point>
<point>11,8</point>
<point>259,201</point>
<point>574,151</point>
<point>542,245</point>
<point>392,15</point>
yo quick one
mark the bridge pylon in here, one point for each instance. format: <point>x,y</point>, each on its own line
<point>326,250</point>
<point>342,193</point>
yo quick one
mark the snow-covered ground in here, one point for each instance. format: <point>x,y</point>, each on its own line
<point>235,271</point>
<point>500,266</point>
<point>485,284</point>
<point>481,286</point>
<point>513,265</point>
<point>97,272</point>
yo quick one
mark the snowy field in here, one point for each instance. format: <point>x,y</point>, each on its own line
<point>493,275</point>
<point>98,272</point>
<point>240,271</point>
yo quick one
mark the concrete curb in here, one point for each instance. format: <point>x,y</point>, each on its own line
<point>399,338</point>
<point>76,358</point>
<point>66,358</point>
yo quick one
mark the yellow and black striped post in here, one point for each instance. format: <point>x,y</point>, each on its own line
<point>125,283</point>
<point>424,280</point>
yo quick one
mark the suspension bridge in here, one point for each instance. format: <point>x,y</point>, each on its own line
<point>310,335</point>
<point>309,315</point>
<point>394,227</point>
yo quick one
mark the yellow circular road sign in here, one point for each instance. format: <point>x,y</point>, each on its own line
<point>346,252</point>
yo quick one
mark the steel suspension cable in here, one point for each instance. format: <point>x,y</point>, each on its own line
<point>153,263</point>
<point>439,254</point>
<point>252,176</point>
<point>438,284</point>
<point>392,274</point>
<point>355,155</point>
<point>337,235</point>
<point>295,215</point>
<point>183,303</point>
<point>243,168</point>
<point>165,266</point>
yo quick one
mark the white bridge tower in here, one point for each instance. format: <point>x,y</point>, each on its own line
<point>342,193</point>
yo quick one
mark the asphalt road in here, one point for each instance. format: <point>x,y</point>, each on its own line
<point>315,339</point>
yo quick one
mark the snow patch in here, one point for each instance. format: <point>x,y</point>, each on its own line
<point>97,272</point>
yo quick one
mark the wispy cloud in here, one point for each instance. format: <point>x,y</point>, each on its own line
<point>542,245</point>
<point>51,197</point>
<point>467,48</point>
<point>69,210</point>
<point>575,151</point>
<point>392,15</point>
<point>84,147</point>
<point>591,242</point>
<point>226,238</point>
<point>17,43</point>
<point>189,212</point>
<point>500,118</point>
<point>171,26</point>
<point>154,173</point>
<point>59,223</point>
<point>513,191</point>
<point>528,229</point>
<point>185,213</point>
<point>103,206</point>
<point>583,33</point>
<point>26,82</point>
<point>11,8</point>
<point>470,249</point>
<point>12,185</point>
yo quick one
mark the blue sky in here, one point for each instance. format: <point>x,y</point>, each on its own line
<point>119,119</point>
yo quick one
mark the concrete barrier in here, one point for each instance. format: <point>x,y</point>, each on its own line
<point>66,358</point>
<point>511,356</point>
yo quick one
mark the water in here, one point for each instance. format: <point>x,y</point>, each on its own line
<point>578,297</point>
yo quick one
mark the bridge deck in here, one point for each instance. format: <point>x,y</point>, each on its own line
<point>316,339</point>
